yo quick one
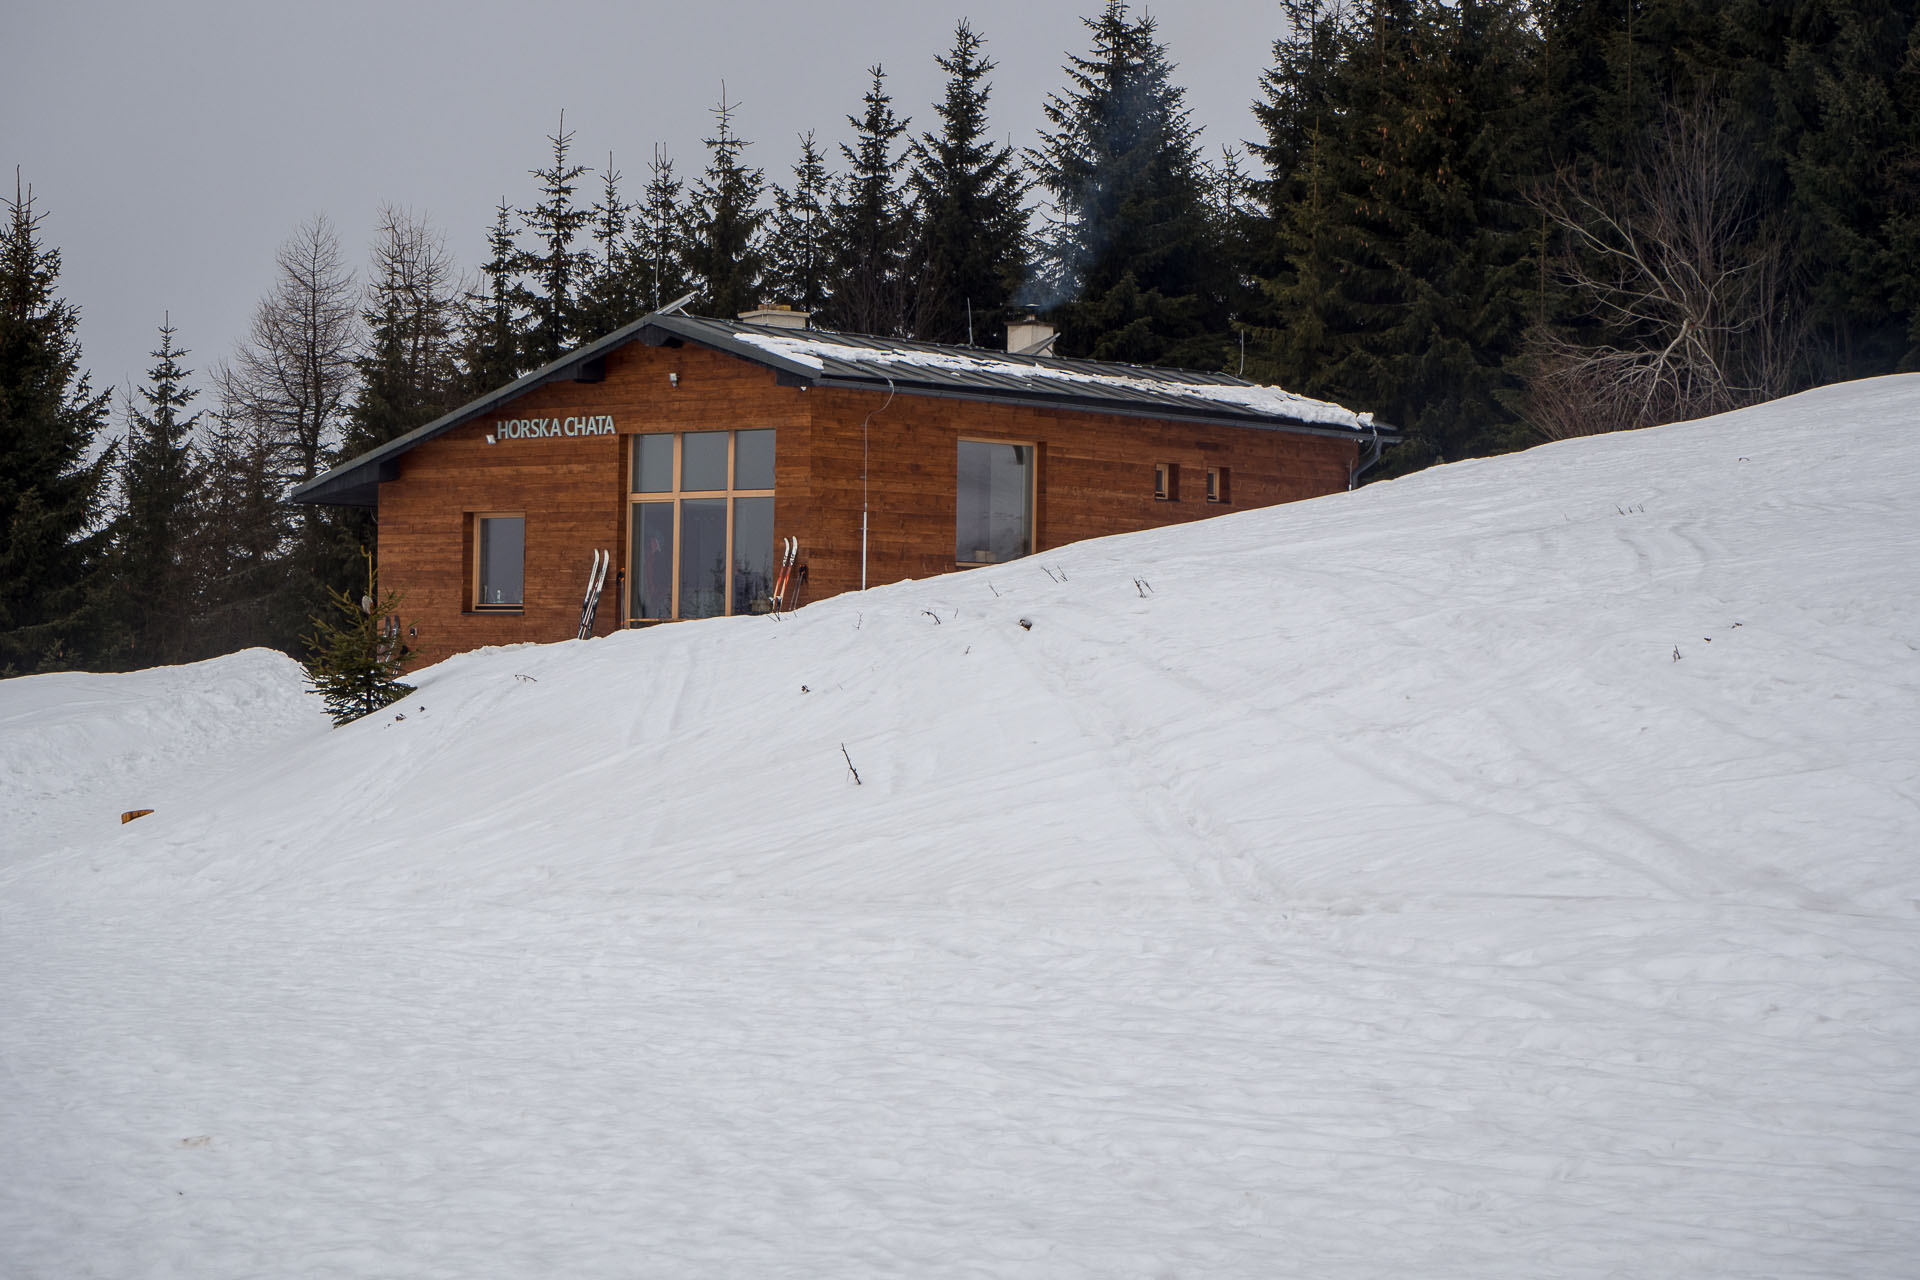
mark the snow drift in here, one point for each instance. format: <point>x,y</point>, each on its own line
<point>1509,870</point>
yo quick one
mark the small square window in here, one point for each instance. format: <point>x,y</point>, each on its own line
<point>653,464</point>
<point>1217,482</point>
<point>499,562</point>
<point>1166,482</point>
<point>703,462</point>
<point>753,460</point>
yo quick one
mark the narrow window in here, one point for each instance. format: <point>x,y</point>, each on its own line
<point>993,502</point>
<point>652,552</point>
<point>1217,485</point>
<point>1166,482</point>
<point>500,544</point>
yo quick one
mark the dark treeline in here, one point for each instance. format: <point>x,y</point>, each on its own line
<point>1492,222</point>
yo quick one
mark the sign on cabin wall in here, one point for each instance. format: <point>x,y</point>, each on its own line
<point>551,428</point>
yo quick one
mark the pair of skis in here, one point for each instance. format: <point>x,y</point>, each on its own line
<point>596,579</point>
<point>789,552</point>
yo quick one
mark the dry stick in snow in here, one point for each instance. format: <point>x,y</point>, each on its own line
<point>850,769</point>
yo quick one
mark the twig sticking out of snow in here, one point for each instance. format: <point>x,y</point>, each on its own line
<point>1144,587</point>
<point>850,769</point>
<point>931,614</point>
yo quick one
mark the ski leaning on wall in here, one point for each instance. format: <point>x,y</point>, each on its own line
<point>596,579</point>
<point>789,549</point>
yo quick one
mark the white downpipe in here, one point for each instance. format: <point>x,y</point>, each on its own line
<point>864,423</point>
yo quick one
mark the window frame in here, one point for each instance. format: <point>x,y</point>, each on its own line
<point>674,496</point>
<point>476,583</point>
<point>1033,498</point>
<point>1166,482</point>
<point>1219,486</point>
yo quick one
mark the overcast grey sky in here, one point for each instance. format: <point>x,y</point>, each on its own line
<point>174,146</point>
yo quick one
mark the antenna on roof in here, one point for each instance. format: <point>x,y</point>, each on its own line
<point>677,303</point>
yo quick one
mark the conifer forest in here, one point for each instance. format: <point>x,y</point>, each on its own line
<point>1491,222</point>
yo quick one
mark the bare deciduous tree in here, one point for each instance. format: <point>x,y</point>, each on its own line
<point>1681,284</point>
<point>290,378</point>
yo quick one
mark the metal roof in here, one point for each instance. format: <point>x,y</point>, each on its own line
<point>825,358</point>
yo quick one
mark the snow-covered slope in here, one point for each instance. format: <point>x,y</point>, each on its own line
<point>1506,871</point>
<point>76,750</point>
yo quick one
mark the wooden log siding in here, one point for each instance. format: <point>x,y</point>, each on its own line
<point>1095,478</point>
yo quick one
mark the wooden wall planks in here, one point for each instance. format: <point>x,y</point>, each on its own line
<point>1095,478</point>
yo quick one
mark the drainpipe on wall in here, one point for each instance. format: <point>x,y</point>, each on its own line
<point>863,479</point>
<point>1365,464</point>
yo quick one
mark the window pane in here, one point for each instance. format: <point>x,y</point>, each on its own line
<point>703,460</point>
<point>752,552</point>
<point>703,556</point>
<point>753,459</point>
<point>652,464</point>
<point>994,516</point>
<point>502,556</point>
<point>652,560</point>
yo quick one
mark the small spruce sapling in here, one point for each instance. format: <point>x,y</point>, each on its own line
<point>354,660</point>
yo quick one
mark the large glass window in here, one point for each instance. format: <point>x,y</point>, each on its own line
<point>994,507</point>
<point>499,561</point>
<point>702,525</point>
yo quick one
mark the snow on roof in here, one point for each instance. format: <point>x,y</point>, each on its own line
<point>1218,391</point>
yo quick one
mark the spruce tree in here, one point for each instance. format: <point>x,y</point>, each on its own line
<point>660,235</point>
<point>53,547</point>
<point>1134,242</point>
<point>408,369</point>
<point>722,249</point>
<point>161,475</point>
<point>871,224</point>
<point>970,251</point>
<point>493,324</point>
<point>1850,75</point>
<point>242,548</point>
<point>799,253</point>
<point>554,268</point>
<point>619,283</point>
<point>1403,255</point>
<point>356,656</point>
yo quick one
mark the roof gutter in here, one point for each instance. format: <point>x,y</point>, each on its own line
<point>1366,463</point>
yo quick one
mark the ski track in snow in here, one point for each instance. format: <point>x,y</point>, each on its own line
<point>1378,895</point>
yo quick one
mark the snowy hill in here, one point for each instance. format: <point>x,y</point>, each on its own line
<point>1507,871</point>
<point>78,750</point>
